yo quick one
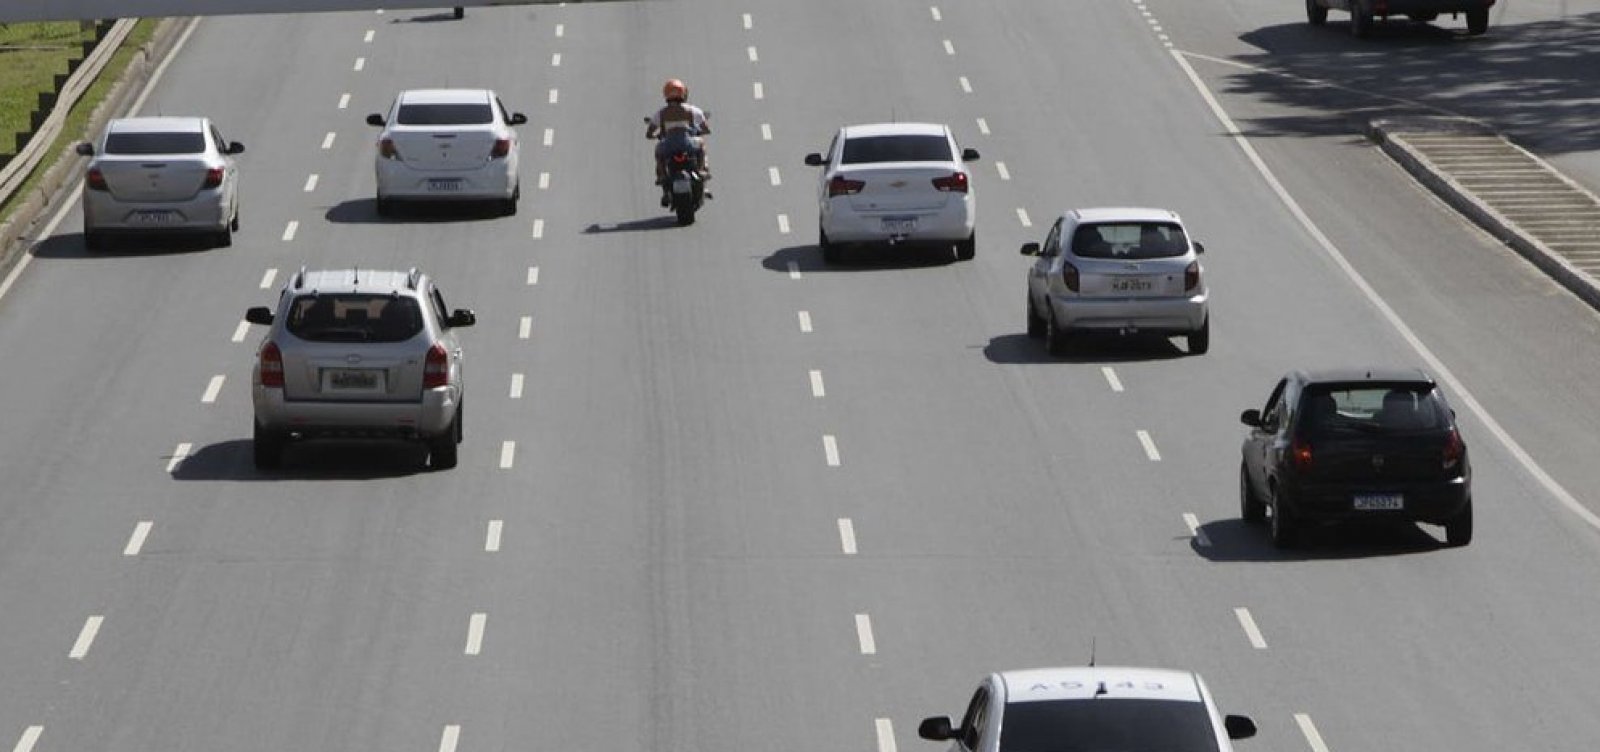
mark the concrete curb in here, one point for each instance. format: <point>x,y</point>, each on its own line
<point>1389,135</point>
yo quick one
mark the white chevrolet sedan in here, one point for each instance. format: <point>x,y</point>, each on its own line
<point>895,183</point>
<point>160,175</point>
<point>448,145</point>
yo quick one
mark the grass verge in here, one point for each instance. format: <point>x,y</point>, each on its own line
<point>31,56</point>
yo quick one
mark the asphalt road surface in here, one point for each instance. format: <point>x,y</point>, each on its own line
<point>717,496</point>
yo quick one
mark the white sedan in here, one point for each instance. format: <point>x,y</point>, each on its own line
<point>448,145</point>
<point>895,183</point>
<point>160,175</point>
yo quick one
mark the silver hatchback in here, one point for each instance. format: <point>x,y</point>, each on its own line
<point>160,175</point>
<point>361,354</point>
<point>1117,271</point>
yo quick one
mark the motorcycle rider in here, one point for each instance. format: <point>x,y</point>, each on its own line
<point>678,125</point>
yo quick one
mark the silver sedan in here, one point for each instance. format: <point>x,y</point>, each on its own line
<point>160,175</point>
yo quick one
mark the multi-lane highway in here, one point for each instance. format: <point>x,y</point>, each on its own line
<point>717,496</point>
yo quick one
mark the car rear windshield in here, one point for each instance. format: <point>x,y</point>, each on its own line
<point>1130,240</point>
<point>354,318</point>
<point>155,143</point>
<point>1367,409</point>
<point>445,114</point>
<point>866,149</point>
<point>1107,724</point>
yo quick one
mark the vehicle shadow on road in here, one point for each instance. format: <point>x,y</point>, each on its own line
<point>1019,348</point>
<point>808,258</point>
<point>311,460</point>
<point>365,211</point>
<point>661,222</point>
<point>1236,540</point>
<point>447,15</point>
<point>70,246</point>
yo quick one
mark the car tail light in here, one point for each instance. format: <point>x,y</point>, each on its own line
<point>1069,276</point>
<point>386,148</point>
<point>436,370</point>
<point>953,183</point>
<point>502,147</point>
<point>843,186</point>
<point>1453,449</point>
<point>271,365</point>
<point>213,177</point>
<point>1300,454</point>
<point>96,180</point>
<point>1191,276</point>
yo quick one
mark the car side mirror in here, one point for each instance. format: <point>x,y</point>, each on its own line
<point>936,729</point>
<point>259,315</point>
<point>85,148</point>
<point>1251,418</point>
<point>813,160</point>
<point>234,147</point>
<point>1239,726</point>
<point>1199,247</point>
<point>375,119</point>
<point>461,317</point>
<point>969,155</point>
<point>518,118</point>
<point>1030,249</point>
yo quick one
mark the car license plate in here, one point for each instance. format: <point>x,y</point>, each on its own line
<point>681,185</point>
<point>155,217</point>
<point>444,185</point>
<point>1379,502</point>
<point>899,225</point>
<point>352,380</point>
<point>1132,284</point>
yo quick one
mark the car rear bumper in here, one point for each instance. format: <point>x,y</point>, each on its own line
<point>954,222</point>
<point>1132,315</point>
<point>429,417</point>
<point>1428,501</point>
<point>398,180</point>
<point>102,212</point>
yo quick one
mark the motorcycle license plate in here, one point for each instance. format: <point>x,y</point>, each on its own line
<point>681,185</point>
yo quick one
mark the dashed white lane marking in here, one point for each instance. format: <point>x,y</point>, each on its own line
<point>751,51</point>
<point>268,277</point>
<point>830,448</point>
<point>983,126</point>
<point>783,224</point>
<point>290,229</point>
<point>544,181</point>
<point>794,270</point>
<point>847,536</point>
<point>1200,537</point>
<point>766,132</point>
<point>805,322</point>
<point>516,386</point>
<point>1149,445</point>
<point>533,275</point>
<point>491,537</point>
<point>555,96</point>
<point>949,49</point>
<point>758,90</point>
<point>178,456</point>
<point>141,531</point>
<point>817,389</point>
<point>538,228</point>
<point>1000,167</point>
<point>475,625</point>
<point>524,327</point>
<point>361,62</point>
<point>344,101</point>
<point>91,627</point>
<point>555,60</point>
<point>748,21</point>
<point>1111,378</point>
<point>935,11</point>
<point>327,141</point>
<point>966,85</point>
<point>1251,631</point>
<point>869,646</point>
<point>241,331</point>
<point>450,738</point>
<point>508,454</point>
<point>213,389</point>
<point>311,183</point>
<point>561,30</point>
<point>772,175</point>
<point>1309,731</point>
<point>369,35</point>
<point>30,737</point>
<point>549,136</point>
<point>884,725</point>
<point>1022,216</point>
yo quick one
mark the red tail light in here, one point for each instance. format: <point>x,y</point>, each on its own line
<point>1454,448</point>
<point>436,371</point>
<point>954,183</point>
<point>680,157</point>
<point>502,147</point>
<point>271,365</point>
<point>1300,453</point>
<point>842,186</point>
<point>386,148</point>
<point>96,180</point>
<point>1069,276</point>
<point>1191,276</point>
<point>213,177</point>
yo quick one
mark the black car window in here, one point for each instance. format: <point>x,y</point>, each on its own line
<point>1102,724</point>
<point>1372,408</point>
<point>866,149</point>
<point>156,143</point>
<point>972,722</point>
<point>440,312</point>
<point>445,114</point>
<point>1273,412</point>
<point>1130,240</point>
<point>1052,242</point>
<point>354,318</point>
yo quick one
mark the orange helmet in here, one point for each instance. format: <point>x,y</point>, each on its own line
<point>674,89</point>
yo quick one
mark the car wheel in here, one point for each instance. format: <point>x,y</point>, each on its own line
<point>268,448</point>
<point>968,248</point>
<point>224,238</point>
<point>444,450</point>
<point>1316,13</point>
<point>1057,340</point>
<point>233,224</point>
<point>1458,529</point>
<point>509,206</point>
<point>1478,21</point>
<point>830,251</point>
<point>1200,341</point>
<point>1251,507</point>
<point>461,12</point>
<point>1036,323</point>
<point>1360,20</point>
<point>1281,524</point>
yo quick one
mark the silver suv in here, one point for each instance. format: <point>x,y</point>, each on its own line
<point>359,353</point>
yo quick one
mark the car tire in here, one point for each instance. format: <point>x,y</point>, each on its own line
<point>224,238</point>
<point>830,251</point>
<point>460,13</point>
<point>1281,527</point>
<point>968,248</point>
<point>508,207</point>
<point>1200,341</point>
<point>1057,341</point>
<point>233,224</point>
<point>1316,13</point>
<point>1478,21</point>
<point>1458,529</point>
<point>1036,323</point>
<point>94,241</point>
<point>1251,508</point>
<point>1360,20</point>
<point>268,448</point>
<point>444,449</point>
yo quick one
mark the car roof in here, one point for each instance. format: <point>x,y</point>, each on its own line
<point>154,124</point>
<point>1357,374</point>
<point>445,96</point>
<point>895,129</point>
<point>1088,682</point>
<point>1122,214</point>
<point>354,280</point>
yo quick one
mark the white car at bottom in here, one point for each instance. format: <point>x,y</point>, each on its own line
<point>448,145</point>
<point>895,184</point>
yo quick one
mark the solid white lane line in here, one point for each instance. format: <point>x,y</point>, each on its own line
<point>241,330</point>
<point>91,627</point>
<point>311,183</point>
<point>1248,622</point>
<point>561,30</point>
<point>450,738</point>
<point>1149,446</point>
<point>759,92</point>
<point>1309,731</point>
<point>949,49</point>
<point>538,228</point>
<point>830,448</point>
<point>516,386</point>
<point>213,389</point>
<point>1111,378</point>
<point>783,224</point>
<point>1022,216</point>
<point>966,85</point>
<point>369,35</point>
<point>794,270</point>
<point>884,725</point>
<point>327,141</point>
<point>555,60</point>
<point>178,456</point>
<point>475,633</point>
<point>805,322</point>
<point>754,58</point>
<point>847,536</point>
<point>30,737</point>
<point>361,62</point>
<point>1200,537</point>
<point>491,538</point>
<point>544,181</point>
<point>869,646</point>
<point>766,132</point>
<point>508,454</point>
<point>1000,167</point>
<point>141,531</point>
<point>344,101</point>
<point>816,384</point>
<point>549,136</point>
<point>290,229</point>
<point>533,275</point>
<point>748,21</point>
<point>983,126</point>
<point>772,175</point>
<point>524,327</point>
<point>935,11</point>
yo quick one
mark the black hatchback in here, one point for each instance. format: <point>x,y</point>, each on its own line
<point>1355,444</point>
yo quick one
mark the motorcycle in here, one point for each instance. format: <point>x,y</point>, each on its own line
<point>684,182</point>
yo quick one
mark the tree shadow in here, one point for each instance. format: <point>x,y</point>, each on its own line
<point>306,460</point>
<point>69,245</point>
<point>1236,540</point>
<point>662,222</point>
<point>365,211</point>
<point>808,258</point>
<point>1019,348</point>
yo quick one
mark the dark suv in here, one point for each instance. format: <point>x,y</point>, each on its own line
<point>1362,12</point>
<point>1352,444</point>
